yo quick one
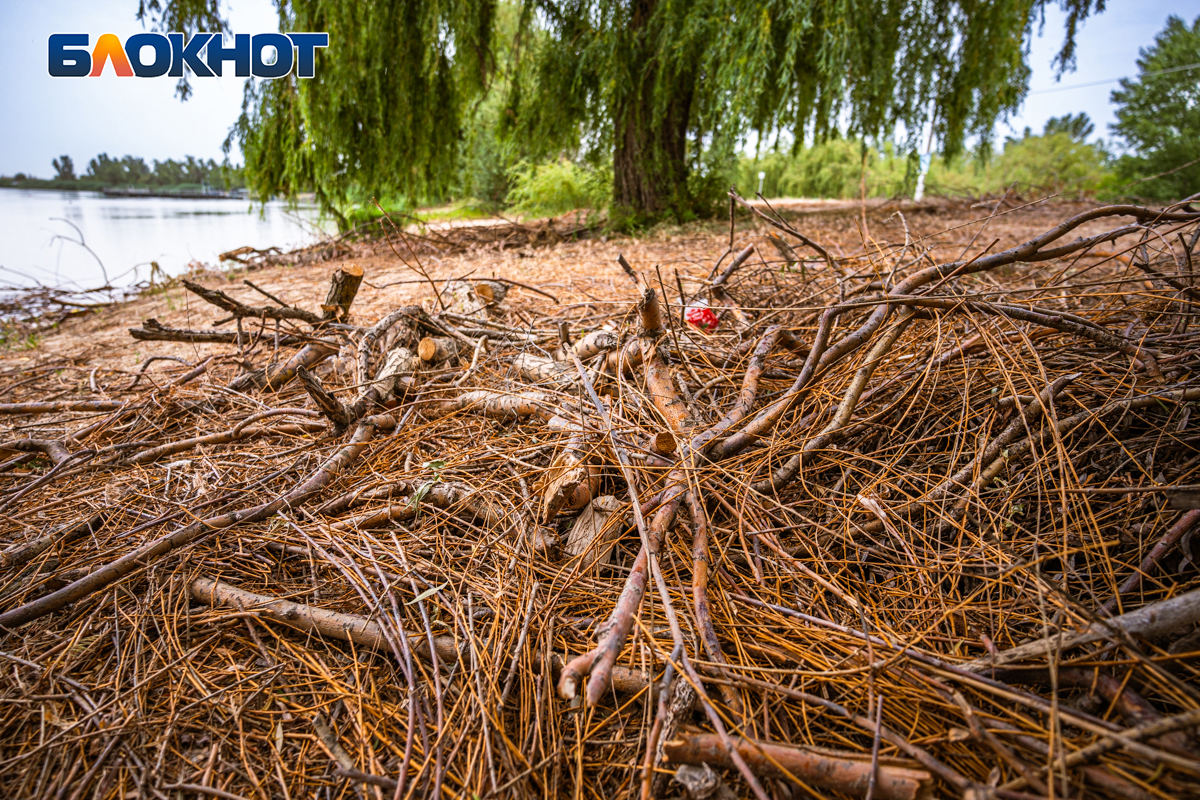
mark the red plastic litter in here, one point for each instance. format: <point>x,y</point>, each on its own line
<point>702,318</point>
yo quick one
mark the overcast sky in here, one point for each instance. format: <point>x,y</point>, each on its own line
<point>44,117</point>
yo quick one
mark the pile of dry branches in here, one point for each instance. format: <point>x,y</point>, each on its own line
<point>897,528</point>
<point>415,237</point>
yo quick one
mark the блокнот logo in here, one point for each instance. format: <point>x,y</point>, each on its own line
<point>152,55</point>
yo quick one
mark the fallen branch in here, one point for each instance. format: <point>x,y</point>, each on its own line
<point>848,773</point>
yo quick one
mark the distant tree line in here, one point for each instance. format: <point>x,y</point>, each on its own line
<point>106,171</point>
<point>134,171</point>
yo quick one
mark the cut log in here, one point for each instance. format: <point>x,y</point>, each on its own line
<point>459,499</point>
<point>625,359</point>
<point>154,331</point>
<point>310,619</point>
<point>595,533</point>
<point>436,349</point>
<point>663,443</point>
<point>343,286</point>
<point>841,772</point>
<point>1149,621</point>
<point>491,291</point>
<point>500,405</point>
<point>594,344</point>
<point>572,479</point>
<point>275,376</point>
<point>538,369</point>
<point>55,450</point>
<point>462,298</point>
<point>57,406</point>
<point>398,373</point>
<point>360,630</point>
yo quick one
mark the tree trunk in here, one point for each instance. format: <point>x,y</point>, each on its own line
<point>650,166</point>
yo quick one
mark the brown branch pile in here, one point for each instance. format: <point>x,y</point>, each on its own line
<point>897,529</point>
<point>417,238</point>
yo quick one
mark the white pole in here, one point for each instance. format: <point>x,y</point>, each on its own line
<point>926,159</point>
<point>761,177</point>
<point>920,192</point>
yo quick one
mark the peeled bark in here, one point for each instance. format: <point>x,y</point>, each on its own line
<point>537,369</point>
<point>1153,620</point>
<point>59,406</point>
<point>275,376</point>
<point>594,344</point>
<point>594,533</point>
<point>398,373</point>
<point>310,619</point>
<point>499,404</point>
<point>571,479</point>
<point>839,772</point>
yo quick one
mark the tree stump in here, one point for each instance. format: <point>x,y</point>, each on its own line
<point>343,287</point>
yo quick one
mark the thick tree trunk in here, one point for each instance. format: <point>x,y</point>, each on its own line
<point>650,148</point>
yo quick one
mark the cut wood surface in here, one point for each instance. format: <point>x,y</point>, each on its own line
<point>435,349</point>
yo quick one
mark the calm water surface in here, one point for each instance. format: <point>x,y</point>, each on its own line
<point>128,233</point>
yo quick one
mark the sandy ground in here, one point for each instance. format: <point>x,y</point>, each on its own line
<point>583,271</point>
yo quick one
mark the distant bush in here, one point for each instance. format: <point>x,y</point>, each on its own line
<point>1055,163</point>
<point>25,182</point>
<point>831,169</point>
<point>1058,161</point>
<point>556,187</point>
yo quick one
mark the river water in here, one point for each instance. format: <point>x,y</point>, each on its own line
<point>126,234</point>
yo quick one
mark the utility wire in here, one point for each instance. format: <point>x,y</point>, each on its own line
<point>1115,80</point>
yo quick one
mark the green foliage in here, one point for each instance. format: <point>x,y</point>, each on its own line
<point>1078,126</point>
<point>385,114</point>
<point>553,188</point>
<point>14,336</point>
<point>830,169</point>
<point>359,208</point>
<point>1158,115</point>
<point>64,168</point>
<point>488,157</point>
<point>656,87</point>
<point>25,182</point>
<point>657,82</point>
<point>134,171</point>
<point>404,212</point>
<point>1055,162</point>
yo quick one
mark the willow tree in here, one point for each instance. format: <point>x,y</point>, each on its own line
<point>652,83</point>
<point>658,81</point>
<point>385,112</point>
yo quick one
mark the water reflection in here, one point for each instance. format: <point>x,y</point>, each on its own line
<point>126,234</point>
